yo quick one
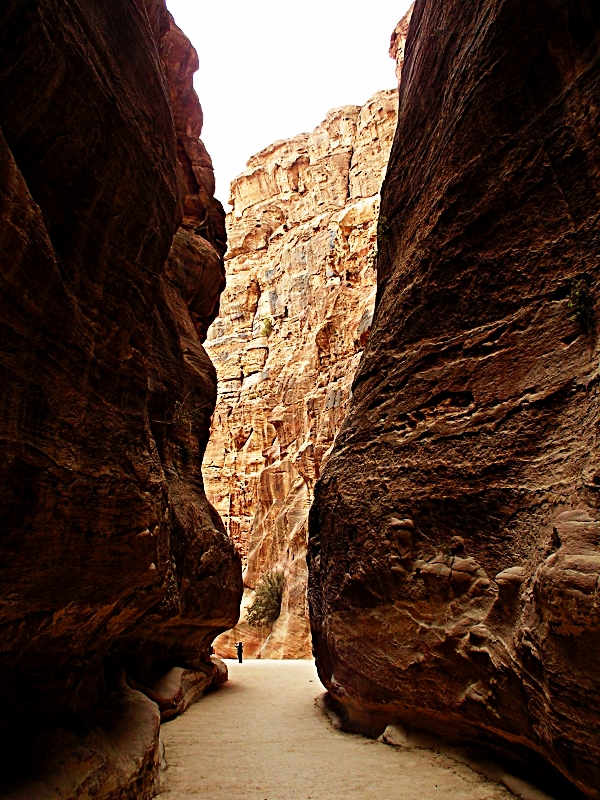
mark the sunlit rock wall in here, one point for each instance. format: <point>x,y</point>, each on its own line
<point>454,547</point>
<point>294,319</point>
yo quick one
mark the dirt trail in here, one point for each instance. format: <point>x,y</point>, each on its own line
<point>260,737</point>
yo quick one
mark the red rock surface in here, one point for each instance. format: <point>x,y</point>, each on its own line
<point>110,555</point>
<point>454,549</point>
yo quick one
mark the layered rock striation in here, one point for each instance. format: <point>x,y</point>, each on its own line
<point>114,567</point>
<point>454,551</point>
<point>294,320</point>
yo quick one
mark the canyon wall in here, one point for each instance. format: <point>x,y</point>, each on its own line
<point>454,552</point>
<point>115,570</point>
<point>398,42</point>
<point>294,319</point>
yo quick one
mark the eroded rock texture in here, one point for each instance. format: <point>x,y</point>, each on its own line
<point>111,558</point>
<point>398,41</point>
<point>294,319</point>
<point>454,547</point>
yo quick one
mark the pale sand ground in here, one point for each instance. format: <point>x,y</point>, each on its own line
<point>260,737</point>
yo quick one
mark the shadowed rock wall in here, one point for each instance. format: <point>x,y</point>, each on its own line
<point>454,551</point>
<point>294,319</point>
<point>110,554</point>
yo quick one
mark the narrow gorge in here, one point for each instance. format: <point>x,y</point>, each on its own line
<point>294,318</point>
<point>372,385</point>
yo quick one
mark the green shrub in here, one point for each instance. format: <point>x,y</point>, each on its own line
<point>581,304</point>
<point>186,416</point>
<point>267,326</point>
<point>383,229</point>
<point>266,605</point>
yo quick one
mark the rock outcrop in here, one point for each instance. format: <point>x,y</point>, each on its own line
<point>114,568</point>
<point>398,41</point>
<point>454,550</point>
<point>294,320</point>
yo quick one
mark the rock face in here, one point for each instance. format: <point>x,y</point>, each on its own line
<point>294,319</point>
<point>398,41</point>
<point>111,247</point>
<point>454,550</point>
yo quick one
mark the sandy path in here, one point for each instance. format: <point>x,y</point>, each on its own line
<point>260,737</point>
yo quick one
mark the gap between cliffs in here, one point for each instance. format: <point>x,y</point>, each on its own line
<point>294,318</point>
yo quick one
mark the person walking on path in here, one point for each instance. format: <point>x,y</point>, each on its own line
<point>240,649</point>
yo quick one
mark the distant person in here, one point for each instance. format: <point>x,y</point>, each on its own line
<point>240,649</point>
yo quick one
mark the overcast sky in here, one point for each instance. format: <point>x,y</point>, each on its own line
<point>270,69</point>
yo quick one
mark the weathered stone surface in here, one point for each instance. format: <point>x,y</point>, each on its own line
<point>116,756</point>
<point>454,547</point>
<point>179,688</point>
<point>398,41</point>
<point>294,319</point>
<point>110,555</point>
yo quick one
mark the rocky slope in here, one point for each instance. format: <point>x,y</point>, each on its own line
<point>294,319</point>
<point>454,550</point>
<point>115,570</point>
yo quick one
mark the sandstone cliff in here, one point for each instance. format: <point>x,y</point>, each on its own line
<point>454,550</point>
<point>294,319</point>
<point>115,570</point>
<point>398,41</point>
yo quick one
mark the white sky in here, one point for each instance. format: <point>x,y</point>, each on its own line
<point>270,69</point>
